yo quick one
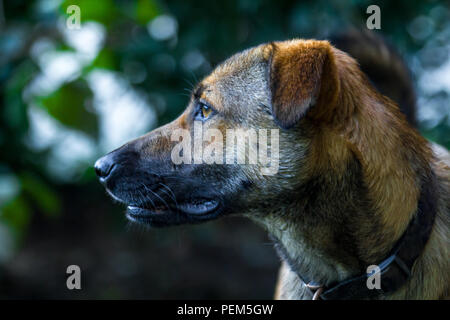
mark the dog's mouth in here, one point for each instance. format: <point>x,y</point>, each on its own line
<point>199,209</point>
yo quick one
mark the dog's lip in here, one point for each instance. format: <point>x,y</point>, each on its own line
<point>196,207</point>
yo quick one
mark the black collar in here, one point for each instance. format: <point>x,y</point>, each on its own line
<point>396,269</point>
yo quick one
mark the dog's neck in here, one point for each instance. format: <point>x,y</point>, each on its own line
<point>361,188</point>
<point>331,232</point>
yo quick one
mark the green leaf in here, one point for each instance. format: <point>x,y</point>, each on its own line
<point>146,10</point>
<point>105,60</point>
<point>15,110</point>
<point>103,11</point>
<point>68,106</point>
<point>16,214</point>
<point>41,194</point>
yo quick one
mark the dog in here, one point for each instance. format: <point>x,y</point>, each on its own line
<point>356,185</point>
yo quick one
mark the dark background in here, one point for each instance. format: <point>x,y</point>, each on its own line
<point>69,96</point>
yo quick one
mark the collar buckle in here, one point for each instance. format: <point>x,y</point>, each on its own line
<point>316,289</point>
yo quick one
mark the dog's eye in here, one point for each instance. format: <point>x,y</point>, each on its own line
<point>204,111</point>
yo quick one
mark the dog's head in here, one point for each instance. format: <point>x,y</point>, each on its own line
<point>277,93</point>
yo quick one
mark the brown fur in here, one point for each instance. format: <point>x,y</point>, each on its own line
<point>383,65</point>
<point>393,157</point>
<point>293,92</point>
<point>350,173</point>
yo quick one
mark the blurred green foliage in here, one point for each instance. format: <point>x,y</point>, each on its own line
<point>67,106</point>
<point>158,49</point>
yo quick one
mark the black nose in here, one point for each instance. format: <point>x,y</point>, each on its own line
<point>104,166</point>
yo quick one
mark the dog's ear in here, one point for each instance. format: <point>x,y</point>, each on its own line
<point>302,76</point>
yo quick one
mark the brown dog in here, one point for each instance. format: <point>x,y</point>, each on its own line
<point>356,185</point>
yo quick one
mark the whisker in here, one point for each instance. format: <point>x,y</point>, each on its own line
<point>184,94</point>
<point>193,75</point>
<point>157,195</point>
<point>146,198</point>
<point>189,82</point>
<point>174,198</point>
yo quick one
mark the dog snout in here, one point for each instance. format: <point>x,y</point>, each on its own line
<point>116,169</point>
<point>104,166</point>
<point>109,165</point>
